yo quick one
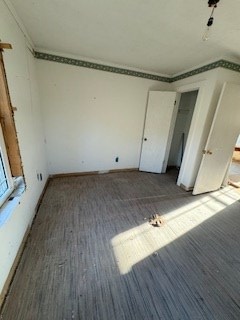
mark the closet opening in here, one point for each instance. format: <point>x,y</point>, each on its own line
<point>181,130</point>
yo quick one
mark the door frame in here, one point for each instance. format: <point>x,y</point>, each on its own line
<point>190,165</point>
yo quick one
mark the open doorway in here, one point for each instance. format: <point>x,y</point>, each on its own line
<point>181,130</point>
<point>234,168</point>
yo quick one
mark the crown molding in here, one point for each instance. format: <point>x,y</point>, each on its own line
<point>222,63</point>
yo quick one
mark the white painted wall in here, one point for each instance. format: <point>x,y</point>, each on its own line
<point>20,69</point>
<point>209,84</point>
<point>91,117</point>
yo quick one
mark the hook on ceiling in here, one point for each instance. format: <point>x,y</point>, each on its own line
<point>211,4</point>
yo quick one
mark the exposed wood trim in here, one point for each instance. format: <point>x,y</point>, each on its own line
<point>5,46</point>
<point>186,188</point>
<point>72,174</point>
<point>233,184</point>
<point>123,170</point>
<point>42,195</point>
<point>8,125</point>
<point>6,287</point>
<point>87,173</point>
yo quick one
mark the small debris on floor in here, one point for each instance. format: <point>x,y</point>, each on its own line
<point>155,254</point>
<point>156,220</point>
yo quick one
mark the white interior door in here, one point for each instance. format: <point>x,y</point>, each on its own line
<point>158,131</point>
<point>221,141</point>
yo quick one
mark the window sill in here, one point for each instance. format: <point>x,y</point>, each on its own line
<point>11,203</point>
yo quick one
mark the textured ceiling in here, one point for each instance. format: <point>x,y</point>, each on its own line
<point>163,36</point>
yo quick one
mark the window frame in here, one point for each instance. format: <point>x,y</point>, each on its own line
<point>7,170</point>
<point>9,147</point>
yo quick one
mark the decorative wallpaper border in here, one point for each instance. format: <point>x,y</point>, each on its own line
<point>86,64</point>
<point>97,66</point>
<point>217,64</point>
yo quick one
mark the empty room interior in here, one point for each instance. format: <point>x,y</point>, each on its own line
<point>119,160</point>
